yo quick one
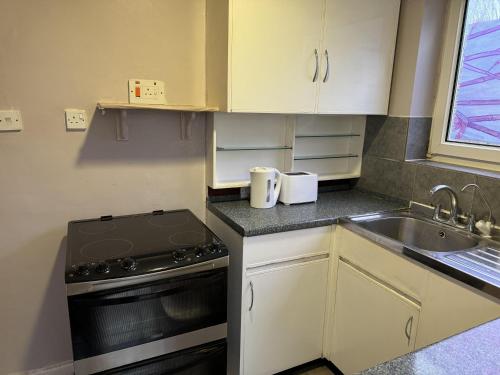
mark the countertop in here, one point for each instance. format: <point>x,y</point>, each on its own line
<point>475,351</point>
<point>329,207</point>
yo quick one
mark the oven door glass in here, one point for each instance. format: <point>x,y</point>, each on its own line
<point>209,359</point>
<point>111,320</point>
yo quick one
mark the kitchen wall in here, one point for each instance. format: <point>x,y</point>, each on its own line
<point>57,54</point>
<point>391,167</point>
<point>417,57</point>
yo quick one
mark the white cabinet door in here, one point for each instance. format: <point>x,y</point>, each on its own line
<point>372,323</point>
<point>272,60</point>
<point>360,38</point>
<point>284,327</point>
<point>450,307</point>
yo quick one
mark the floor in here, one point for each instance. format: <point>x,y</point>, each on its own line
<point>317,371</point>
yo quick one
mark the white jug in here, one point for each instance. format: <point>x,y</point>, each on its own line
<point>263,193</point>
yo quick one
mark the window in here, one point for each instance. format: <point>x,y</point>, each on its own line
<point>466,120</point>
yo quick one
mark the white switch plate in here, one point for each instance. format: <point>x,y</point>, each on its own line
<point>10,120</point>
<point>76,119</point>
<point>146,91</point>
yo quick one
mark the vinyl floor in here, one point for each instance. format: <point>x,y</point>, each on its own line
<point>317,371</point>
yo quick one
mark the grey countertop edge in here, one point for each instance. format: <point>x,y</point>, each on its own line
<point>473,351</point>
<point>396,204</point>
<point>270,228</point>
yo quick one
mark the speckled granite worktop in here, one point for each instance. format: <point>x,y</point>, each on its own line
<point>331,206</point>
<point>473,352</point>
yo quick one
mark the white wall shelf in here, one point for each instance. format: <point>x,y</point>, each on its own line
<point>325,135</point>
<point>122,108</point>
<point>330,146</point>
<point>256,148</point>
<point>315,157</point>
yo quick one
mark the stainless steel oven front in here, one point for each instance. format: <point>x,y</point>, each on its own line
<point>132,321</point>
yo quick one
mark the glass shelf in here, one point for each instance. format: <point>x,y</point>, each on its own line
<point>314,157</point>
<point>326,135</point>
<point>253,148</point>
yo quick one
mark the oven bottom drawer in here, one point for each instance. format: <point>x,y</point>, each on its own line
<point>201,360</point>
<point>145,352</point>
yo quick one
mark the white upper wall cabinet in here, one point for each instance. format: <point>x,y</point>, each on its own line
<point>358,52</point>
<point>272,55</point>
<point>300,56</point>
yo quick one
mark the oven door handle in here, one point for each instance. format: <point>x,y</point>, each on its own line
<point>193,285</point>
<point>73,289</point>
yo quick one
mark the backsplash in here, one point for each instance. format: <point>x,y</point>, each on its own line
<point>391,167</point>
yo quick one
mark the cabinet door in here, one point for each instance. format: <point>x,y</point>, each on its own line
<point>284,327</point>
<point>360,38</point>
<point>372,322</point>
<point>272,60</point>
<point>450,307</point>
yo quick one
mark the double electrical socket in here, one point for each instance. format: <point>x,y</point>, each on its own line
<point>10,120</point>
<point>76,119</point>
<point>146,91</point>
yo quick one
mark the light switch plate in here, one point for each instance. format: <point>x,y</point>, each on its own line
<point>76,119</point>
<point>146,91</point>
<point>10,120</point>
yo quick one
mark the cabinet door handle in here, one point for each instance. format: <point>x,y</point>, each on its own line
<point>327,73</point>
<point>251,302</point>
<point>317,65</point>
<point>408,327</point>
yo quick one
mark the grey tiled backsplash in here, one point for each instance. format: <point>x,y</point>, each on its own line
<point>491,190</point>
<point>417,141</point>
<point>385,137</point>
<point>390,144</point>
<point>428,176</point>
<point>389,177</point>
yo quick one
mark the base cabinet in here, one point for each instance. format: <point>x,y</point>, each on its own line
<point>451,308</point>
<point>372,322</point>
<point>387,305</point>
<point>284,318</point>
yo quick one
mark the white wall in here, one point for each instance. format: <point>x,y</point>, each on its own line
<point>56,54</point>
<point>417,58</point>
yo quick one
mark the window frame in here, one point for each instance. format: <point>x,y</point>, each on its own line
<point>438,145</point>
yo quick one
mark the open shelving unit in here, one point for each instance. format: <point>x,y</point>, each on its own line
<point>187,114</point>
<point>238,142</point>
<point>330,146</point>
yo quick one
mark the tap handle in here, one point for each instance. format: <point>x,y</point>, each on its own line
<point>471,222</point>
<point>437,212</point>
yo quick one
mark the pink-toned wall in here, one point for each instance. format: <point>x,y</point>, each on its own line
<point>57,54</point>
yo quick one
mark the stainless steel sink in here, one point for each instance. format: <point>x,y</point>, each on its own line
<point>440,246</point>
<point>422,234</point>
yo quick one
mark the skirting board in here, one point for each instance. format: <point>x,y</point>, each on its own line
<point>63,368</point>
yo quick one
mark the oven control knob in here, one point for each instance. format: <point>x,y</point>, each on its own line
<point>217,248</point>
<point>179,255</point>
<point>83,269</point>
<point>102,267</point>
<point>199,252</point>
<point>128,264</point>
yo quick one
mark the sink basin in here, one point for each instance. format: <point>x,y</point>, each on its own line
<point>414,232</point>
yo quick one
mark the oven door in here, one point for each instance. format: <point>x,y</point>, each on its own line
<point>117,327</point>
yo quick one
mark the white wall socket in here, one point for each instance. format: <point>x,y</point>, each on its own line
<point>76,119</point>
<point>10,120</point>
<point>146,91</point>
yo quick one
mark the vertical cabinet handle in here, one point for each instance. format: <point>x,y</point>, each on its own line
<point>251,302</point>
<point>316,71</point>
<point>408,327</point>
<point>327,73</point>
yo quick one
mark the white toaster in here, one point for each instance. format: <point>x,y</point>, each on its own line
<point>298,187</point>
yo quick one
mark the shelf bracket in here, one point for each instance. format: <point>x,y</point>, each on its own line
<point>121,125</point>
<point>186,120</point>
